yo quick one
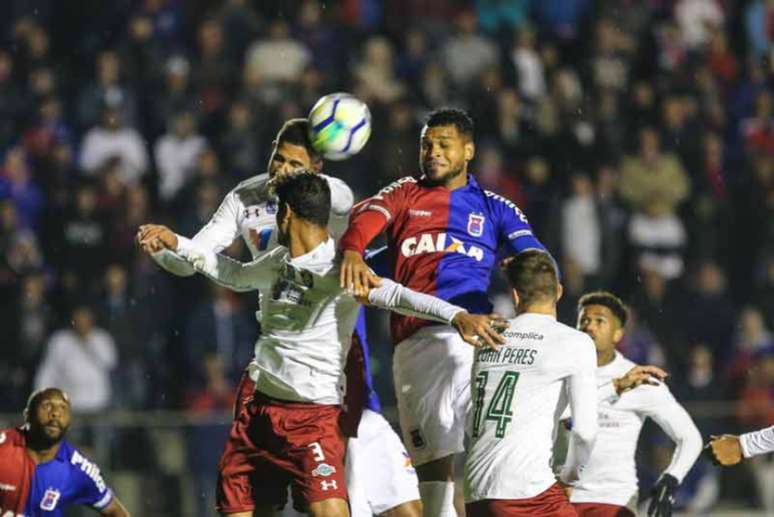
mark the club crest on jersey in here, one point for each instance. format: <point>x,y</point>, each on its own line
<point>429,243</point>
<point>476,225</point>
<point>50,498</point>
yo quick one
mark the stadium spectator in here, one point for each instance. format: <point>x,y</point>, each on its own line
<point>80,360</point>
<point>176,153</point>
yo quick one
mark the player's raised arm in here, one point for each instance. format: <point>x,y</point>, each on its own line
<point>369,218</point>
<point>216,235</point>
<point>476,329</point>
<point>582,392</point>
<point>224,271</point>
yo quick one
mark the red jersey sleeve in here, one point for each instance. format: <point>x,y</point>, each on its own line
<point>372,216</point>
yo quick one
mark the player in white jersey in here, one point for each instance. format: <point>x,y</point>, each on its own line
<point>608,485</point>
<point>288,433</point>
<point>729,449</point>
<point>248,210</point>
<point>519,392</point>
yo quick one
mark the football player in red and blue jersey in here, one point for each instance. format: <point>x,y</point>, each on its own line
<point>41,473</point>
<point>443,233</point>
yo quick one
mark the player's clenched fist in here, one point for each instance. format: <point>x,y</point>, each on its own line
<point>356,277</point>
<point>155,237</point>
<point>480,329</point>
<point>726,449</point>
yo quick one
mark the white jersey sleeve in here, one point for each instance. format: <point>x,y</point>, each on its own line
<point>758,442</point>
<point>397,298</point>
<point>216,235</point>
<point>230,273</point>
<point>658,403</point>
<point>582,393</point>
<point>342,200</point>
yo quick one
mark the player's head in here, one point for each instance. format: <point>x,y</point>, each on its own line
<point>533,279</point>
<point>292,149</point>
<point>304,199</point>
<point>602,315</point>
<point>446,145</point>
<point>47,416</point>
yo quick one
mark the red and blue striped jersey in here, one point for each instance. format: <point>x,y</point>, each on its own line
<point>45,489</point>
<point>441,242</point>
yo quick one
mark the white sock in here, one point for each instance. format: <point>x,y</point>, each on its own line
<point>437,498</point>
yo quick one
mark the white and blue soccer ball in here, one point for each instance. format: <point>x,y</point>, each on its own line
<point>339,126</point>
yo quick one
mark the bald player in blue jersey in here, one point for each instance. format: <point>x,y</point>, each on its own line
<point>41,473</point>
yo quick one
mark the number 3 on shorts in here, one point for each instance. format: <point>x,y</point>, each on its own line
<point>499,409</point>
<point>317,450</point>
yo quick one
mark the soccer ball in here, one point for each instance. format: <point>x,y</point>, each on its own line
<point>339,126</point>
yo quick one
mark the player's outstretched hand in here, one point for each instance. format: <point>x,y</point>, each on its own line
<point>639,375</point>
<point>156,237</point>
<point>726,449</point>
<point>356,277</point>
<point>663,497</point>
<point>480,329</point>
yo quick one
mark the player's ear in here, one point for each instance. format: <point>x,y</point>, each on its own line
<point>515,297</point>
<point>317,164</point>
<point>470,150</point>
<point>618,335</point>
<point>559,292</point>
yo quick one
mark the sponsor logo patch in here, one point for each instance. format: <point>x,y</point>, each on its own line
<point>324,470</point>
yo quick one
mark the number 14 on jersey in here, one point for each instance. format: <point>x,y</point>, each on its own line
<point>498,408</point>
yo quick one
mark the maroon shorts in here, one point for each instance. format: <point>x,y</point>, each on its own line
<point>601,510</point>
<point>275,444</point>
<point>550,503</point>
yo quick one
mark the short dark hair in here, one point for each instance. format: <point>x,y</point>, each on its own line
<point>606,299</point>
<point>532,273</point>
<point>452,117</point>
<point>296,131</point>
<point>306,193</point>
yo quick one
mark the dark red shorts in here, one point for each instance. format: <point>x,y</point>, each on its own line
<point>550,503</point>
<point>601,510</point>
<point>275,444</point>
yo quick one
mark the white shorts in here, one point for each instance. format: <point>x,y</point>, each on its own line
<point>431,370</point>
<point>380,475</point>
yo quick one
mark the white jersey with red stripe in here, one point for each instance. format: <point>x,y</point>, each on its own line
<point>611,475</point>
<point>519,392</point>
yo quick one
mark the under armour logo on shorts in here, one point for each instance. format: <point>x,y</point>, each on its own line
<point>327,485</point>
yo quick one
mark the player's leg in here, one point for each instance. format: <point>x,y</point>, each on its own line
<point>314,449</point>
<point>333,507</point>
<point>432,386</point>
<point>381,479</point>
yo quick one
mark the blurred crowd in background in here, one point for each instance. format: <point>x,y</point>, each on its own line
<point>637,136</point>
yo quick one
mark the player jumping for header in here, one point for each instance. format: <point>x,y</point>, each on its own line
<point>288,433</point>
<point>443,233</point>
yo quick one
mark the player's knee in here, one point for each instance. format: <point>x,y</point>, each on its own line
<point>329,508</point>
<point>409,509</point>
<point>441,469</point>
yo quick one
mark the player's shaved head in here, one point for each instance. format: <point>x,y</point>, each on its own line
<point>37,396</point>
<point>532,274</point>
